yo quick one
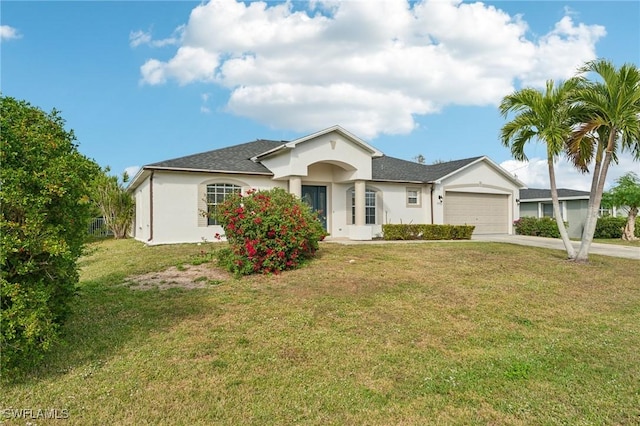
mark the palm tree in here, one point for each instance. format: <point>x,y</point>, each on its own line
<point>612,125</point>
<point>545,117</point>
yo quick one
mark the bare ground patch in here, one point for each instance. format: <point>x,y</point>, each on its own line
<point>183,276</point>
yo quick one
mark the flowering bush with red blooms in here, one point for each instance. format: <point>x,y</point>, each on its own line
<point>268,232</point>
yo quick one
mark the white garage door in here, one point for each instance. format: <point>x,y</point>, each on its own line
<point>488,212</point>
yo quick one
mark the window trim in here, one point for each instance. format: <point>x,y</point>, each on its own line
<point>211,221</point>
<point>374,194</point>
<point>563,209</point>
<point>418,197</point>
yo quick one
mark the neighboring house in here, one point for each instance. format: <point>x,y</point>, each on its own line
<point>353,186</point>
<point>615,211</point>
<point>573,206</point>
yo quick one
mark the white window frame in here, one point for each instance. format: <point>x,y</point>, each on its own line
<point>563,209</point>
<point>417,197</point>
<point>371,194</point>
<point>219,189</point>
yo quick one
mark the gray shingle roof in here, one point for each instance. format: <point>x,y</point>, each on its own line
<point>235,158</point>
<point>394,169</point>
<point>536,194</point>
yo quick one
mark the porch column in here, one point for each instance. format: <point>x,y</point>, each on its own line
<point>295,186</point>
<point>359,203</point>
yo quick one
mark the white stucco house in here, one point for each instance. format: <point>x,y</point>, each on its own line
<point>354,186</point>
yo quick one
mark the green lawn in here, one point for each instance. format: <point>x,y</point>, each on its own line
<point>413,334</point>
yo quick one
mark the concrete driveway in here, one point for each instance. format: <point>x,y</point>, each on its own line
<point>627,252</point>
<point>614,250</point>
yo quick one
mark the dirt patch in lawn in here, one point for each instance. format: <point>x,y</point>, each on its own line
<point>183,276</point>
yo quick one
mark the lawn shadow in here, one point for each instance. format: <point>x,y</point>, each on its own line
<point>107,317</point>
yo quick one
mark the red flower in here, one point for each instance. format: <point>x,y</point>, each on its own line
<point>257,248</point>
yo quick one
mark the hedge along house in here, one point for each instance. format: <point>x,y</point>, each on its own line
<point>573,207</point>
<point>354,187</point>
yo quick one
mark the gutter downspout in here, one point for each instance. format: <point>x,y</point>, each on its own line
<point>151,206</point>
<point>431,203</point>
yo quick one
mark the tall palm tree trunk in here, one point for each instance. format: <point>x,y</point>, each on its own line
<point>571,252</point>
<point>589,219</point>
<point>597,182</point>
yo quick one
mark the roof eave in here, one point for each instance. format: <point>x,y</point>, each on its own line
<point>139,177</point>
<point>187,169</point>
<point>576,198</point>
<point>501,170</point>
<point>415,182</point>
<point>257,158</point>
<point>145,171</point>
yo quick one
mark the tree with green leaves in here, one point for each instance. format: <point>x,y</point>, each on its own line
<point>543,116</point>
<point>626,193</point>
<point>611,125</point>
<point>44,215</point>
<point>116,204</point>
<point>606,204</point>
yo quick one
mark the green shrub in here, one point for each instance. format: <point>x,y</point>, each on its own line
<point>611,227</point>
<point>426,232</point>
<point>45,213</point>
<point>268,232</point>
<point>537,227</point>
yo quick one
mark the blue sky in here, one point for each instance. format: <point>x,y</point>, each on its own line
<point>141,82</point>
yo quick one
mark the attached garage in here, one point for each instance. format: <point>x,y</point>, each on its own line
<point>489,213</point>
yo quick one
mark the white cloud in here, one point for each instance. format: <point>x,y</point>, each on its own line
<point>303,107</point>
<point>560,48</point>
<point>535,173</point>
<point>139,37</point>
<point>188,65</point>
<point>204,108</point>
<point>153,72</point>
<point>369,68</point>
<point>136,38</point>
<point>8,33</point>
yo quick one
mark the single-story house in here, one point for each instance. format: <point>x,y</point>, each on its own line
<point>573,206</point>
<point>354,187</point>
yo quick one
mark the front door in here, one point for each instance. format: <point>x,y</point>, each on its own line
<point>316,197</point>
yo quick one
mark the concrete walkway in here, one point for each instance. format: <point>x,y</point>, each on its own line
<point>614,250</point>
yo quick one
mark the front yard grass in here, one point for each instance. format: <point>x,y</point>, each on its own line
<point>431,333</point>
